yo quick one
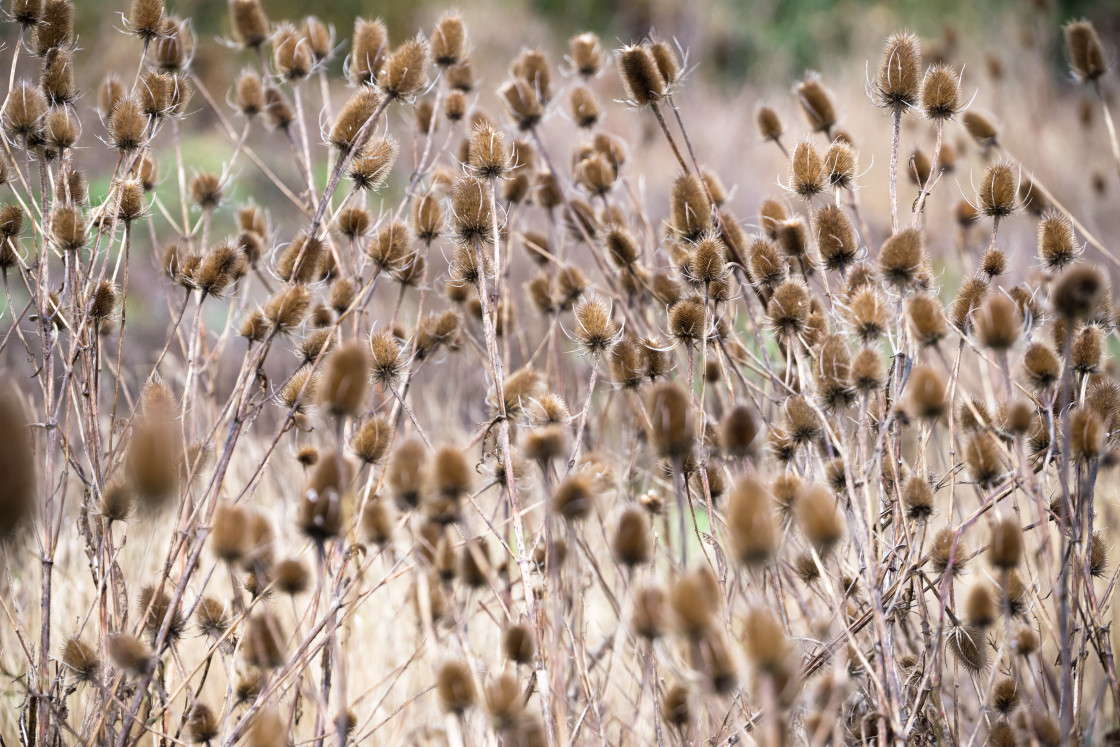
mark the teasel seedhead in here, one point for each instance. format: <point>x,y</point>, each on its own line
<point>370,49</point>
<point>998,193</point>
<point>807,176</point>
<point>55,27</point>
<point>941,92</point>
<point>898,82</point>
<point>250,25</point>
<point>641,76</point>
<point>1086,53</point>
<point>405,72</point>
<point>816,103</point>
<point>352,117</point>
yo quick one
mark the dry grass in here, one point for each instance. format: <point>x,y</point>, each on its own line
<point>839,466</point>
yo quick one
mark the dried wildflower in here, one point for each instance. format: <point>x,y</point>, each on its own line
<point>750,521</point>
<point>695,598</point>
<point>671,421</point>
<point>345,379</point>
<point>926,318</point>
<point>1057,245</point>
<point>899,79</point>
<point>489,153</point>
<point>405,471</point>
<point>129,653</point>
<point>982,129</point>
<point>406,70</point>
<point>641,78</point>
<point>926,389</point>
<point>353,116</point>
<point>370,50</point>
<point>788,310</point>
<point>997,322</point>
<point>1086,53</point>
<point>1077,291</point>
<point>984,460</point>
<point>55,27</point>
<point>902,257</point>
<point>940,93</point>
<point>81,659</point>
<point>997,195</point>
<point>807,175</point>
<point>816,103</point>
<point>471,219</point>
<point>455,687</point>
<point>840,164</point>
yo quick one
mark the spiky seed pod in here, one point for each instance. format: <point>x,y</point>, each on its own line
<point>27,13</point>
<point>354,114</point>
<point>672,431</point>
<point>765,265</point>
<point>982,129</point>
<point>649,613</point>
<point>56,26</point>
<point>920,168</point>
<point>17,491</point>
<point>997,323</point>
<point>451,482</point>
<point>738,430</point>
<point>917,497</point>
<point>574,497</point>
<point>155,607</point>
<point>173,45</point>
<point>1077,291</point>
<point>668,65</point>
<point>320,514</point>
<point>109,94</point>
<point>969,297</point>
<point>769,124</point>
<point>1041,365</point>
<point>940,92</point>
<point>250,25</point>
<point>128,124</point>
<point>202,725</point>
<point>219,269</point>
<point>1057,245</point>
<point>802,423</point>
<point>68,227</point>
<point>834,370</point>
<point>902,257</point>
<point>632,538</point>
<point>695,599</point>
<point>376,522</point>
<point>129,653</point>
<point>263,642</point>
<point>690,211</point>
<point>470,212</point>
<point>771,214</point>
<point>145,19</point>
<point>868,371</point>
<point>997,195</point>
<point>406,70</point>
<point>301,261</point>
<point>24,113</point>
<point>404,473</point>
<point>278,111</point>
<point>455,687</point>
<point>229,532</point>
<point>750,521</point>
<point>1005,547</point>
<point>927,392</point>
<point>942,554</point>
<point>926,319</point>
<point>449,40</point>
<point>641,78</point>
<point>1085,355</point>
<point>1005,695</point>
<point>370,49</point>
<point>816,103</point>
<point>522,103</point>
<point>104,301</point>
<point>793,238</point>
<point>81,659</point>
<point>968,648</point>
<point>982,455</point>
<point>687,321</point>
<point>427,217</point>
<point>869,315</point>
<point>370,168</point>
<point>1086,54</point>
<point>489,152</point>
<point>320,38</point>
<point>840,165</point>
<point>586,54</point>
<point>519,644</point>
<point>345,379</point>
<point>290,576</point>
<point>994,263</point>
<point>819,517</point>
<point>980,604</point>
<point>248,93</point>
<point>371,442</point>
<point>899,79</point>
<point>807,176</point>
<point>57,80</point>
<point>1087,434</point>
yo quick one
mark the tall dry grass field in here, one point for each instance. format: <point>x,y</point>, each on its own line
<point>358,397</point>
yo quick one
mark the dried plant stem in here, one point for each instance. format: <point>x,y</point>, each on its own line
<point>1112,141</point>
<point>896,122</point>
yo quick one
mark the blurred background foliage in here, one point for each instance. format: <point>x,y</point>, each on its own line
<point>742,38</point>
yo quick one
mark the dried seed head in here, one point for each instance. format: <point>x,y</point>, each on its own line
<point>807,175</point>
<point>455,687</point>
<point>788,309</point>
<point>943,555</point>
<point>1005,695</point>
<point>290,576</point>
<point>131,200</point>
<point>229,532</point>
<point>320,37</point>
<point>926,318</point>
<point>56,26</point>
<point>816,102</point>
<point>370,168</point>
<point>672,429</point>
<point>352,117</point>
<point>27,13</point>
<point>994,263</point>
<point>404,473</point>
<point>449,39</point>
<point>263,644</point>
<point>145,18</point>
<point>489,152</point>
<point>155,605</point>
<point>1005,548</point>
<point>968,648</point>
<point>1077,291</point>
<point>738,430</point>
<point>1087,350</point>
<point>1087,434</point>
<point>320,514</point>
<point>641,78</point>
<point>917,497</point>
<point>1041,365</point>
<point>104,301</point>
<point>982,455</point>
<point>766,266</point>
<point>997,195</point>
<point>690,210</point>
<point>632,539</point>
<point>840,164</point>
<point>902,258</point>
<point>574,496</point>
<point>869,315</point>
<point>819,516</point>
<point>250,25</point>
<point>370,442</point>
<point>980,604</point>
<point>997,322</point>
<point>57,81</point>
<point>202,725</point>
<point>868,371</point>
<point>81,659</point>
<point>586,54</point>
<point>969,297</point>
<point>1086,54</point>
<point>248,94</point>
<point>695,598</point>
<point>982,128</point>
<point>219,269</point>
<point>595,330</point>
<point>346,379</point>
<point>370,49</point>
<point>451,482</point>
<point>129,653</point>
<point>300,262</point>
<point>128,124</point>
<point>519,644</point>
<point>899,79</point>
<point>769,123</point>
<point>836,238</point>
<point>173,45</point>
<point>24,113</point>
<point>772,214</point>
<point>406,70</point>
<point>1057,245</point>
<point>750,521</point>
<point>941,92</point>
<point>668,65</point>
<point>68,227</point>
<point>206,190</point>
<point>278,111</point>
<point>927,394</point>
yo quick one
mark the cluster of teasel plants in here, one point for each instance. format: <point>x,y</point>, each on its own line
<point>497,458</point>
